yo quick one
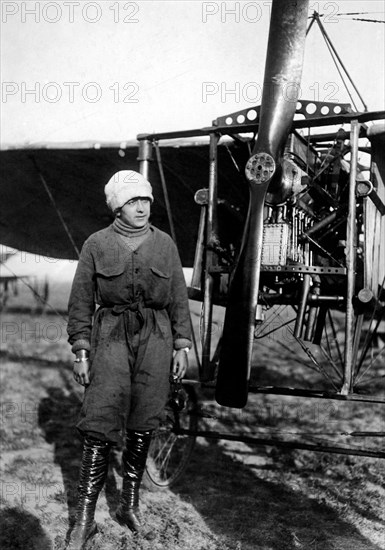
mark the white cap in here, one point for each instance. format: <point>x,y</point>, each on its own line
<point>124,186</point>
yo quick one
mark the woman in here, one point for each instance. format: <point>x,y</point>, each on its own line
<point>124,351</point>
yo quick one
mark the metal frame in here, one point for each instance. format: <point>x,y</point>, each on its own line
<point>246,127</point>
<point>206,268</point>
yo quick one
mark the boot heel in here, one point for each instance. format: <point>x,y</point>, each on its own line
<point>80,535</point>
<point>133,461</point>
<point>130,518</point>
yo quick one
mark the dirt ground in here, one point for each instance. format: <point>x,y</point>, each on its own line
<point>231,496</point>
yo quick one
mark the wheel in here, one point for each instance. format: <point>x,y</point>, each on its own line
<point>321,348</point>
<point>367,347</point>
<point>170,450</point>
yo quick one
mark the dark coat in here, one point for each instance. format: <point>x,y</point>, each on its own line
<point>143,314</point>
<point>111,275</point>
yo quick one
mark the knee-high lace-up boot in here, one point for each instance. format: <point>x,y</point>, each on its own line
<point>134,462</point>
<point>92,477</point>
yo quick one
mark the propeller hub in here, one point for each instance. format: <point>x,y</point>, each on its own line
<point>260,168</point>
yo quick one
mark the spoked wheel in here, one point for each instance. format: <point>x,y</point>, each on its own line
<point>170,449</point>
<point>367,347</point>
<point>321,346</point>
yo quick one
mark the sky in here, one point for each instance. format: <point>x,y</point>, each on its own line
<point>106,70</point>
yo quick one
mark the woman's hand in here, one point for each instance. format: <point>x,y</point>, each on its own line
<point>81,368</point>
<point>180,363</point>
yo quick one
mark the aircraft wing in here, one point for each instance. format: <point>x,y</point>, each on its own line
<point>52,196</point>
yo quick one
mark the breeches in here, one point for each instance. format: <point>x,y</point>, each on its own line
<point>129,377</point>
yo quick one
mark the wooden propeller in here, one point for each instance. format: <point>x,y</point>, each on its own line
<point>281,87</point>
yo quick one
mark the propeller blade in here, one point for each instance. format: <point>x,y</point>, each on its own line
<point>280,94</point>
<point>238,331</point>
<point>283,70</point>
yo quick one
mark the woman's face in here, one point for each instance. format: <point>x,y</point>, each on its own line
<point>136,212</point>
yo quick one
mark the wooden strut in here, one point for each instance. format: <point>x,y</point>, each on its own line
<point>145,156</point>
<point>279,443</point>
<point>351,249</point>
<point>316,394</point>
<point>211,235</point>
